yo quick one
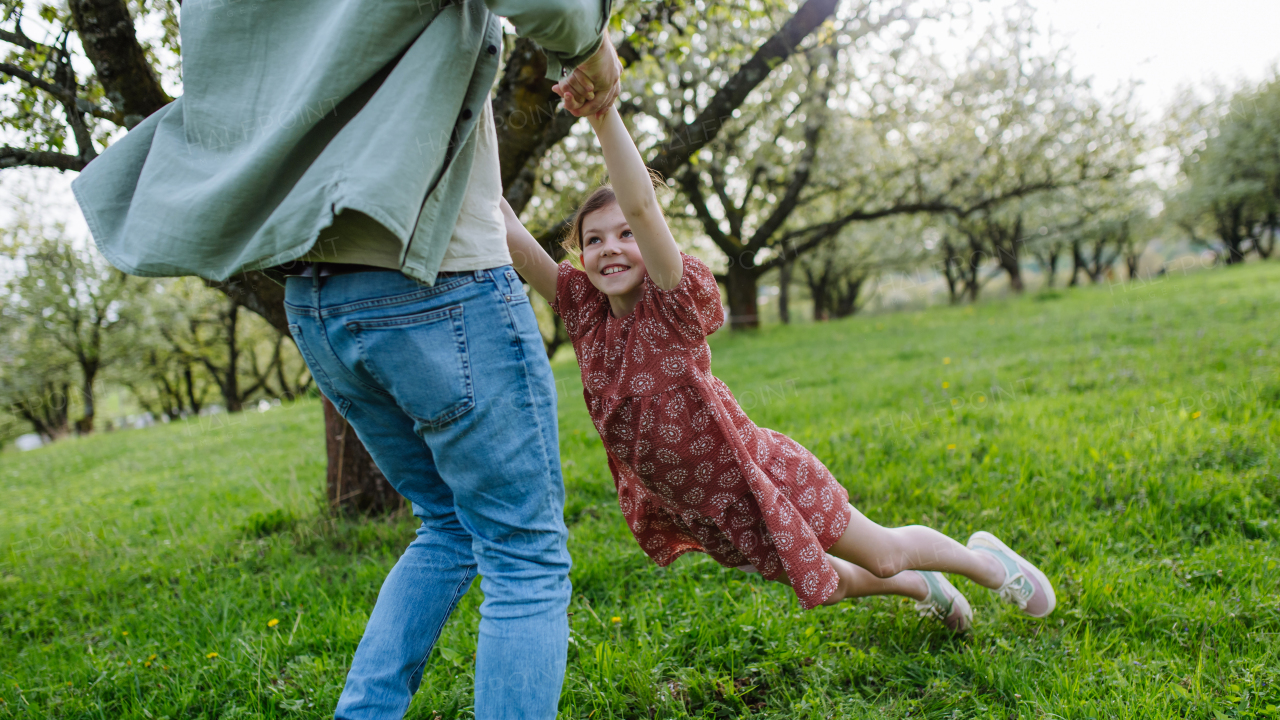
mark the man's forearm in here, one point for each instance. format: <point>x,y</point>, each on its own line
<point>569,31</point>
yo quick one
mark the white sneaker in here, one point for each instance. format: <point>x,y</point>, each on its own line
<point>1024,585</point>
<point>945,603</point>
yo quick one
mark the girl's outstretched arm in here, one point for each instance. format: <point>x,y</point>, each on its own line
<point>639,203</point>
<point>527,256</point>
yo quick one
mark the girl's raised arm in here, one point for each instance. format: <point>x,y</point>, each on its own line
<point>639,203</point>
<point>527,256</point>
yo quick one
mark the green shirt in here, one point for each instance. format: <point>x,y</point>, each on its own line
<point>295,110</point>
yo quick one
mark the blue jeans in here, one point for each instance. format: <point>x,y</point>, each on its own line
<point>450,390</point>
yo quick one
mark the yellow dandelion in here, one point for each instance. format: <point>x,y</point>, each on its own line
<point>952,446</point>
<point>946,361</point>
<point>211,655</point>
<point>151,657</point>
<point>146,664</point>
<point>955,401</point>
<point>68,683</point>
<point>1195,415</point>
<point>946,385</point>
<point>128,662</point>
<point>615,619</point>
<point>273,622</point>
<point>124,632</point>
<point>982,398</point>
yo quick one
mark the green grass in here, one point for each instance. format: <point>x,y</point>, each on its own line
<point>1124,438</point>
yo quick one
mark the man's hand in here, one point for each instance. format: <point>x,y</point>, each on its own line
<point>593,86</point>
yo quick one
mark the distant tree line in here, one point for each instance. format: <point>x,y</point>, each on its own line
<point>74,326</point>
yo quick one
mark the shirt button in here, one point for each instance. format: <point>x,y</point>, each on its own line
<point>466,114</point>
<point>493,49</point>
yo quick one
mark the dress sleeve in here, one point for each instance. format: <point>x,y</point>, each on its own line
<point>693,306</point>
<point>577,301</point>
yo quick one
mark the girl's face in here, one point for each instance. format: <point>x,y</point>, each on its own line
<point>609,253</point>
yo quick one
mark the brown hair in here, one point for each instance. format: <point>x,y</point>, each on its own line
<point>602,197</point>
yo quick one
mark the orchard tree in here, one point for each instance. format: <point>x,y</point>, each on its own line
<point>69,297</point>
<point>1012,130</point>
<point>840,271</point>
<point>1231,171</point>
<point>37,378</point>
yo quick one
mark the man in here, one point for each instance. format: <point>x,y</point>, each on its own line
<point>350,144</point>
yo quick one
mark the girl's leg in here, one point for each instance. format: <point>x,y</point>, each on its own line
<point>885,552</point>
<point>856,582</point>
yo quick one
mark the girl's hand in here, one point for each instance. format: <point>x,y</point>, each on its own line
<point>593,86</point>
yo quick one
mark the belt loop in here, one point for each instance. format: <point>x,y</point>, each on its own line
<point>480,275</point>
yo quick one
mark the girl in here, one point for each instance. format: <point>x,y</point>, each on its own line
<point>692,471</point>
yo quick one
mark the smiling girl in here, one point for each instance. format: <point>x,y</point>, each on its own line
<point>693,472</point>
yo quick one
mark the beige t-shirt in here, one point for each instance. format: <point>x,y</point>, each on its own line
<point>479,239</point>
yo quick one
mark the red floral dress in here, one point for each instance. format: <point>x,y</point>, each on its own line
<point>692,471</point>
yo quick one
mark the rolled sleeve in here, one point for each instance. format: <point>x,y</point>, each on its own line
<point>568,31</point>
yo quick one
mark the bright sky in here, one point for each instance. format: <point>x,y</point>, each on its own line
<point>1162,43</point>
<point>1165,43</point>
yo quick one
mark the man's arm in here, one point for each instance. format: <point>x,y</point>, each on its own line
<point>568,31</point>
<point>527,256</point>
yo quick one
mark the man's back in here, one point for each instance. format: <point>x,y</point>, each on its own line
<point>294,111</point>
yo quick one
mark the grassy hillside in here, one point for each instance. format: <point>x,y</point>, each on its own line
<point>1125,438</point>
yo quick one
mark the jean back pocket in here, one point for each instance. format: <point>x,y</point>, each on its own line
<point>421,360</point>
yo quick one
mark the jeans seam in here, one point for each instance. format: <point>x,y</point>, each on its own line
<point>324,332</point>
<point>341,404</point>
<point>529,387</point>
<point>458,592</point>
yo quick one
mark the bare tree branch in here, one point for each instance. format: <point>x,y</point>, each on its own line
<point>61,92</point>
<point>19,157</point>
<point>686,141</point>
<point>692,186</point>
<point>20,39</point>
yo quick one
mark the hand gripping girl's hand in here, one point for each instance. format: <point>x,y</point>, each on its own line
<point>593,86</point>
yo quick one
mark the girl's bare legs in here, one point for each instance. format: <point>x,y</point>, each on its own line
<point>856,582</point>
<point>885,552</point>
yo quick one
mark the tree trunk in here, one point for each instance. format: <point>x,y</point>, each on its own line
<point>1052,266</point>
<point>231,380</point>
<point>951,271</point>
<point>1015,274</point>
<point>847,296</point>
<point>973,270</point>
<point>784,292</point>
<point>818,285</point>
<point>353,482</point>
<point>1077,263</point>
<point>189,376</point>
<point>1006,241</point>
<point>744,313</point>
<point>84,425</point>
